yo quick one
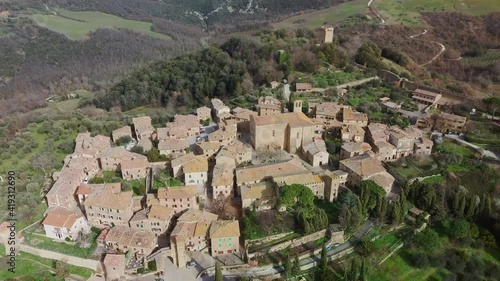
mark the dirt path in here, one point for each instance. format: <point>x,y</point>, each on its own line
<point>374,10</point>
<point>443,47</point>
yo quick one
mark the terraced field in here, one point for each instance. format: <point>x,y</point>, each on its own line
<point>78,25</point>
<point>490,57</point>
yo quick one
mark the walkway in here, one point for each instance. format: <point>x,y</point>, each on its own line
<point>87,263</point>
<point>485,152</point>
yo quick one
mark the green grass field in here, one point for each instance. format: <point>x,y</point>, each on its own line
<point>407,12</point>
<point>71,104</point>
<point>325,16</point>
<point>30,267</point>
<point>78,25</point>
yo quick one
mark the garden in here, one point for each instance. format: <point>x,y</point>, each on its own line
<point>30,267</point>
<point>164,179</point>
<point>84,247</point>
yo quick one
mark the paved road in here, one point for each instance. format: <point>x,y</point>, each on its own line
<point>286,91</point>
<point>485,152</point>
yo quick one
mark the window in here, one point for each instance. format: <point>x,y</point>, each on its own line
<point>274,133</point>
<point>230,239</point>
<point>220,245</point>
<point>230,245</point>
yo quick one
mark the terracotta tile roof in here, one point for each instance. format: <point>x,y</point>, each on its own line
<point>243,113</point>
<point>182,160</point>
<point>315,147</point>
<point>258,191</point>
<point>378,131</point>
<point>177,131</point>
<point>329,108</point>
<point>452,117</point>
<point>185,230</point>
<point>209,146</point>
<point>203,110</point>
<point>259,173</point>
<point>121,153</point>
<point>176,192</point>
<point>383,144</point>
<point>363,165</point>
<point>426,93</point>
<point>193,215</point>
<point>351,115</point>
<point>199,164</point>
<point>225,228</point>
<point>128,237</point>
<point>61,217</point>
<point>114,260</point>
<point>111,200</point>
<point>162,133</point>
<point>224,133</point>
<point>383,179</point>
<point>145,143</point>
<point>88,189</point>
<point>223,174</point>
<point>67,183</point>
<point>161,213</point>
<point>353,129</point>
<point>356,147</point>
<point>143,124</point>
<point>201,229</point>
<point>123,131</point>
<point>137,163</point>
<point>173,144</point>
<point>294,119</point>
<point>305,178</point>
<point>217,104</point>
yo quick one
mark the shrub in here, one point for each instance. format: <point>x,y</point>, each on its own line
<point>152,265</point>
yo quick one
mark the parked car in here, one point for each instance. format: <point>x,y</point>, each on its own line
<point>336,244</point>
<point>191,264</point>
<point>86,180</point>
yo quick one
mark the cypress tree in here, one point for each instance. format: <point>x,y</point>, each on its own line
<point>218,272</point>
<point>296,266</point>
<point>362,273</point>
<point>352,274</point>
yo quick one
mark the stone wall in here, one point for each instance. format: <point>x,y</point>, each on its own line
<point>264,240</point>
<point>87,263</point>
<point>299,241</point>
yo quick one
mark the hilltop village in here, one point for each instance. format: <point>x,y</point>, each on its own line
<point>220,163</point>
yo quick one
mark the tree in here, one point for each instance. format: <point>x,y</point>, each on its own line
<point>353,271</point>
<point>288,267</point>
<point>43,161</point>
<point>362,272</point>
<point>428,239</point>
<point>220,206</point>
<point>218,272</point>
<point>296,265</point>
<point>137,149</point>
<point>123,140</point>
<point>61,269</point>
<point>458,228</point>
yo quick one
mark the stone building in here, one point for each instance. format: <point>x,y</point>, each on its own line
<point>287,131</point>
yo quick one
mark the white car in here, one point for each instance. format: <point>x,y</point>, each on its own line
<point>191,264</point>
<point>86,180</point>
